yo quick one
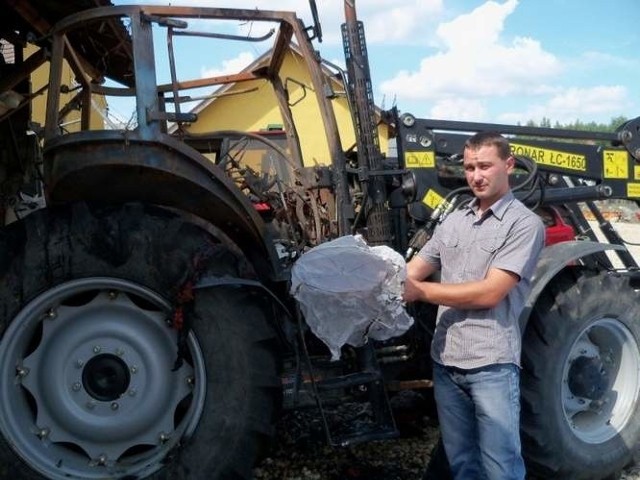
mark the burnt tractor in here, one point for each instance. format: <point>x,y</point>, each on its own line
<point>147,325</point>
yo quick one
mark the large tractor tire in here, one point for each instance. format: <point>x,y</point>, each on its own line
<point>104,374</point>
<point>581,378</point>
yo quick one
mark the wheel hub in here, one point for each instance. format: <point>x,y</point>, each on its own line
<point>588,378</point>
<point>106,377</point>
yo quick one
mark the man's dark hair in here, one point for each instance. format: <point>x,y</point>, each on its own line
<point>482,139</point>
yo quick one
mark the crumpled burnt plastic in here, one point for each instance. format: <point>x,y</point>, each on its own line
<point>349,292</point>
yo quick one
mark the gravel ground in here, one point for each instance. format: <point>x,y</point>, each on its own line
<point>301,453</point>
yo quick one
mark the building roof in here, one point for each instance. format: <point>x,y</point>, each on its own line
<point>23,20</point>
<point>258,63</point>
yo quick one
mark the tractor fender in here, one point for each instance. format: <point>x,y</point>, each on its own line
<point>121,166</point>
<point>552,260</point>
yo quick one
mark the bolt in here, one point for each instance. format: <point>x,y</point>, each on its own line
<point>133,369</point>
<point>114,406</point>
<point>191,381</point>
<point>102,459</point>
<point>424,141</point>
<point>79,363</point>
<point>22,372</point>
<point>51,314</point>
<point>91,404</point>
<point>97,349</point>
<point>133,392</point>
<point>119,352</point>
<point>625,136</point>
<point>43,433</point>
<point>76,387</point>
<point>113,294</point>
<point>163,437</point>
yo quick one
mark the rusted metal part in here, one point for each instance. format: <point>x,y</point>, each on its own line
<point>288,25</point>
<point>176,12</point>
<point>282,44</point>
<point>377,220</point>
<point>338,159</point>
<point>146,164</point>
<point>81,67</point>
<point>55,81</point>
<point>223,36</point>
<point>211,81</point>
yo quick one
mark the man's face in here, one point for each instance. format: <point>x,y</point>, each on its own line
<point>487,174</point>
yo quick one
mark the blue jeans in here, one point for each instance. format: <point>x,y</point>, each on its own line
<point>479,414</point>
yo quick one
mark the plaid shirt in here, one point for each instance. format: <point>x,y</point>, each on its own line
<point>464,247</point>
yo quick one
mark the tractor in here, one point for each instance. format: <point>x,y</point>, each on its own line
<point>147,326</point>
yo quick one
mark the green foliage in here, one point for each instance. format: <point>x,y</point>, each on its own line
<point>583,126</point>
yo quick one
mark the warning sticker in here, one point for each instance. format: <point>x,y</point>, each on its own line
<point>615,164</point>
<point>420,159</point>
<point>553,158</point>
<point>633,190</point>
<point>432,199</point>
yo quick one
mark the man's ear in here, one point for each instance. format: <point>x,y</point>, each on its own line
<point>511,163</point>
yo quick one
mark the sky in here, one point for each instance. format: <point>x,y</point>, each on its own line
<point>499,61</point>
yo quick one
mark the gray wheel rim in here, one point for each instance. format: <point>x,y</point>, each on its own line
<point>89,387</point>
<point>610,344</point>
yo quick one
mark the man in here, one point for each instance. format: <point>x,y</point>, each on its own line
<point>486,254</point>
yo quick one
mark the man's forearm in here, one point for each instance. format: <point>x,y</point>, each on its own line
<point>470,295</point>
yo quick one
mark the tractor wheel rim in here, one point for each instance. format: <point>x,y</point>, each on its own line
<point>601,382</point>
<point>90,389</point>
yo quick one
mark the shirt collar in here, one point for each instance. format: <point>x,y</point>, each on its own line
<point>499,207</point>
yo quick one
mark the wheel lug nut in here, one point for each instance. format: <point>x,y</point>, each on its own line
<point>91,404</point>
<point>114,406</point>
<point>76,387</point>
<point>96,349</point>
<point>79,363</point>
